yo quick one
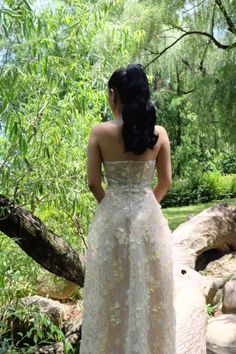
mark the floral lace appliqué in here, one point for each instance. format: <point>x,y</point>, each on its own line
<point>128,289</point>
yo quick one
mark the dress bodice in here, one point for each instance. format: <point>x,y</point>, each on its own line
<point>129,173</point>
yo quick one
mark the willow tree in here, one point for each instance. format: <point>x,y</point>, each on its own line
<point>47,107</point>
<point>53,89</point>
<point>189,52</point>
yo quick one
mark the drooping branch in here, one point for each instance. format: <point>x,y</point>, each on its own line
<point>181,92</point>
<point>201,65</point>
<point>188,33</point>
<point>193,7</point>
<point>213,20</point>
<point>8,155</point>
<point>40,243</point>
<point>231,26</point>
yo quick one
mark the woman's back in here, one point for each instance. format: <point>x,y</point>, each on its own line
<point>111,144</point>
<point>106,144</point>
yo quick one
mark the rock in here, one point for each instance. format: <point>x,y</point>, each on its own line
<point>219,281</point>
<point>54,310</point>
<point>197,243</point>
<point>213,290</point>
<point>221,331</point>
<point>224,267</point>
<point>58,289</point>
<point>217,300</point>
<point>229,297</point>
<point>209,289</point>
<point>56,348</point>
<point>207,235</point>
<point>191,314</point>
<point>73,326</point>
<point>213,349</point>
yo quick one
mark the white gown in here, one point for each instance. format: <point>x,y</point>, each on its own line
<point>128,290</point>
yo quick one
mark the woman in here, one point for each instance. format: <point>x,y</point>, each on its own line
<point>128,289</point>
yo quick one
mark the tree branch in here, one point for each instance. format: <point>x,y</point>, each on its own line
<point>230,23</point>
<point>187,33</point>
<point>40,243</point>
<point>181,92</point>
<point>201,67</point>
<point>8,155</point>
<point>193,7</point>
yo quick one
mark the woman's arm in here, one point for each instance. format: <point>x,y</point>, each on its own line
<point>94,165</point>
<point>163,166</point>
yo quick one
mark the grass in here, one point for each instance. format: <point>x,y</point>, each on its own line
<point>178,215</point>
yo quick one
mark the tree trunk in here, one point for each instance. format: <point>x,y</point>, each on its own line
<point>41,244</point>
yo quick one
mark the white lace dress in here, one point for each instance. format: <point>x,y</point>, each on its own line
<point>128,290</point>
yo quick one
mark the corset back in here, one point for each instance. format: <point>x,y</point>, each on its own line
<point>129,174</point>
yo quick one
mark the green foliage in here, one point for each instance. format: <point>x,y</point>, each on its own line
<point>25,329</point>
<point>54,86</point>
<point>53,78</point>
<point>229,164</point>
<point>193,82</point>
<point>209,309</point>
<point>53,92</point>
<point>15,279</point>
<point>45,115</point>
<point>200,188</point>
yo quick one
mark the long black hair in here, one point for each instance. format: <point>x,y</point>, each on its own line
<point>138,113</point>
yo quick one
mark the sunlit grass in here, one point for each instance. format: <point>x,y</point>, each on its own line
<point>178,215</point>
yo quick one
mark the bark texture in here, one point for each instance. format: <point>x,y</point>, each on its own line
<point>40,243</point>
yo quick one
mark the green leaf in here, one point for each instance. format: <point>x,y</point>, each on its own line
<point>28,164</point>
<point>5,30</point>
<point>28,5</point>
<point>46,149</point>
<point>35,338</point>
<point>10,13</point>
<point>75,24</point>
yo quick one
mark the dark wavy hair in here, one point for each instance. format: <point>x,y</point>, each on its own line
<point>138,113</point>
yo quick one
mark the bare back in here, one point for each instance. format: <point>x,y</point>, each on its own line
<point>111,144</point>
<point>106,144</point>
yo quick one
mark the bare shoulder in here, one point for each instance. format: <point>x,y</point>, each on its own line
<point>99,128</point>
<point>159,129</point>
<point>105,129</point>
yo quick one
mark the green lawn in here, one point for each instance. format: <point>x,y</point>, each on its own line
<point>177,215</point>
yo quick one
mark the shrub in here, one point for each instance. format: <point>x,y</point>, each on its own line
<point>229,164</point>
<point>200,188</point>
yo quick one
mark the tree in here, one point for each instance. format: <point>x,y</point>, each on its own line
<point>188,51</point>
<point>53,91</point>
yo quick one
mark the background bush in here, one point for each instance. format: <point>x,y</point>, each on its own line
<point>200,188</point>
